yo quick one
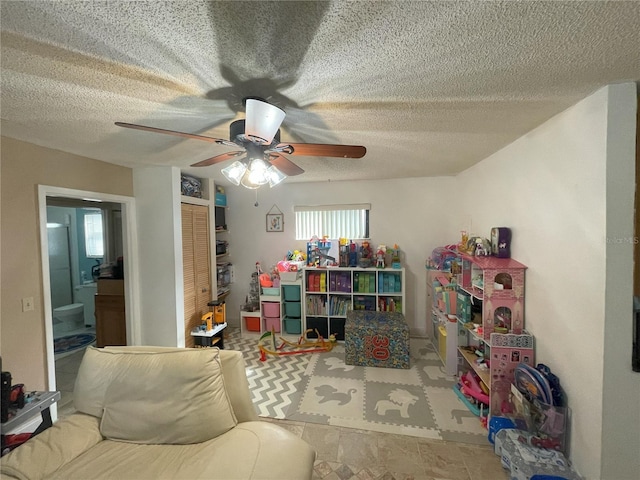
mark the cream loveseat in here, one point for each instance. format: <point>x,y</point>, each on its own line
<point>161,413</point>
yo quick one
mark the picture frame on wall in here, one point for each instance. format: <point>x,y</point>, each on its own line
<point>275,222</point>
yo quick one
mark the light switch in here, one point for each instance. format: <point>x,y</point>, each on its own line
<point>27,304</point>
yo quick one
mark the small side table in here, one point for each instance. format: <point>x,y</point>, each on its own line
<point>39,403</point>
<point>210,338</point>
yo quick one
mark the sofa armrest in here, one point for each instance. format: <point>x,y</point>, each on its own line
<point>45,453</point>
<point>237,385</point>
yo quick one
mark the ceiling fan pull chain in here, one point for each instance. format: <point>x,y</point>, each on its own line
<point>256,204</point>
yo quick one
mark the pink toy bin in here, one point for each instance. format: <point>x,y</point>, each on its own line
<point>272,324</point>
<point>271,309</point>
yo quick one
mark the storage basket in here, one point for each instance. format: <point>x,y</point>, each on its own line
<point>291,293</point>
<point>290,276</point>
<point>293,325</point>
<point>252,323</point>
<point>271,291</point>
<point>292,309</point>
<point>272,324</point>
<point>271,309</point>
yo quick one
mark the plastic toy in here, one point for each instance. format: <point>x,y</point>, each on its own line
<point>267,344</point>
<point>395,257</point>
<point>471,387</point>
<point>365,255</point>
<point>380,253</point>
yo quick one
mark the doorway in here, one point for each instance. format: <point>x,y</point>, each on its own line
<point>70,270</point>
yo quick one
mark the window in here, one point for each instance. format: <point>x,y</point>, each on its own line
<point>93,237</point>
<point>332,221</point>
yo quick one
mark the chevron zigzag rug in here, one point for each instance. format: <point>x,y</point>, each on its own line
<point>321,388</point>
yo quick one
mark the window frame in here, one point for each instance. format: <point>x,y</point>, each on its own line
<point>319,209</point>
<point>89,232</point>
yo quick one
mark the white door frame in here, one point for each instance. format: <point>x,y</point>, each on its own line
<point>131,277</point>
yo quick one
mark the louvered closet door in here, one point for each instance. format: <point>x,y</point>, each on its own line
<point>196,266</point>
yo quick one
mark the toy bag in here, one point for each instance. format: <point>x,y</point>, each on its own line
<point>441,258</point>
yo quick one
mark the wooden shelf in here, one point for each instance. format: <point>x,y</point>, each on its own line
<point>195,200</point>
<point>483,373</point>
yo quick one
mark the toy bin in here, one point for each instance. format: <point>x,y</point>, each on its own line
<point>271,323</point>
<point>252,323</point>
<point>292,325</point>
<point>291,293</point>
<point>520,455</point>
<point>292,309</point>
<point>271,291</point>
<point>290,276</point>
<point>271,309</point>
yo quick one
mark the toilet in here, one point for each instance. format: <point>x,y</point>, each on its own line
<point>68,318</point>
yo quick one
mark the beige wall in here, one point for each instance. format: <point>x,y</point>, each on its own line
<point>23,167</point>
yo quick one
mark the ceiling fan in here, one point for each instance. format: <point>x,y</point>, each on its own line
<point>258,136</point>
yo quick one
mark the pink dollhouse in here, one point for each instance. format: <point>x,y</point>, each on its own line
<point>499,283</point>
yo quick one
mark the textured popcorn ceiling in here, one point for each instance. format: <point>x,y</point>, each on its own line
<point>430,88</point>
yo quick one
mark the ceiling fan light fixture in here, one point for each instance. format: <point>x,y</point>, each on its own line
<point>274,176</point>
<point>263,120</point>
<point>235,172</point>
<point>257,171</point>
<point>247,183</point>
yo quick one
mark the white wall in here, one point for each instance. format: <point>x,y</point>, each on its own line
<point>157,191</point>
<point>564,189</point>
<point>408,212</point>
<point>621,387</point>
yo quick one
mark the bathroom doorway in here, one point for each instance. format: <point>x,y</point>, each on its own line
<point>69,222</point>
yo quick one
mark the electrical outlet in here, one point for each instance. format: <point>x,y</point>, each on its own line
<point>27,304</point>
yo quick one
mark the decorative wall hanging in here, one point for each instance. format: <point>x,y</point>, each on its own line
<point>275,220</point>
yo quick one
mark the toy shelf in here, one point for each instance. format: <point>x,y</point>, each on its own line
<point>471,358</point>
<point>330,292</point>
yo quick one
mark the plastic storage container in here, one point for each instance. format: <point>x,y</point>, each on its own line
<point>271,309</point>
<point>271,291</point>
<point>292,325</point>
<point>253,323</point>
<point>292,309</point>
<point>272,324</point>
<point>291,293</point>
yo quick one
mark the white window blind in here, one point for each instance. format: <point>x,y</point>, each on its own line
<point>93,238</point>
<point>332,221</point>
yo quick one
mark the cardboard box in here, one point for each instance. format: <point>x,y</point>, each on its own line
<point>220,200</point>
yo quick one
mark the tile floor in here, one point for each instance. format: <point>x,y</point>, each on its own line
<point>344,453</point>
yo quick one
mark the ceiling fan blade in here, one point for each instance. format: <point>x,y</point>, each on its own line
<point>219,158</point>
<point>323,150</point>
<point>285,165</point>
<point>219,141</point>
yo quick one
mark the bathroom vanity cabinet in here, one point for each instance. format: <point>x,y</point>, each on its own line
<point>110,313</point>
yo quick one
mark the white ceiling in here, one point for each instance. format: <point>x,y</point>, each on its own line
<point>430,88</point>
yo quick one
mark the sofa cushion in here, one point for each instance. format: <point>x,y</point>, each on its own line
<point>251,450</point>
<point>167,397</point>
<point>233,371</point>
